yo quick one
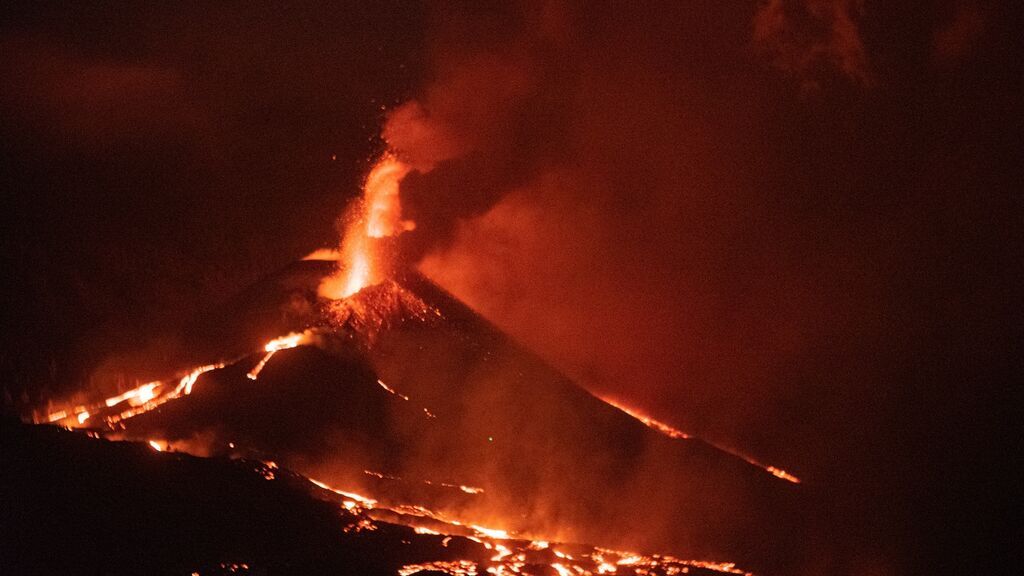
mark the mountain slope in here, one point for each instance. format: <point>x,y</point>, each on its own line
<point>403,393</point>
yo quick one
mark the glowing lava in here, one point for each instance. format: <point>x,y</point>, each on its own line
<point>140,400</point>
<point>511,554</point>
<point>283,343</point>
<point>674,433</point>
<point>378,215</point>
<point>136,396</point>
<point>650,422</point>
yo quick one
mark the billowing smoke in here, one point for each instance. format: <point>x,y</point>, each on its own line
<point>725,213</point>
<point>605,186</point>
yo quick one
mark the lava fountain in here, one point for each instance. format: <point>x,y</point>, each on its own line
<point>375,218</point>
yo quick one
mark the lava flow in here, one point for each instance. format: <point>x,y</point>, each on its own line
<point>508,554</point>
<point>140,400</point>
<point>272,347</point>
<point>447,498</point>
<point>674,433</point>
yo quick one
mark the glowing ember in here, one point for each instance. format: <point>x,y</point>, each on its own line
<point>380,216</point>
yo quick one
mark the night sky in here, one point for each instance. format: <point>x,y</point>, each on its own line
<point>792,227</point>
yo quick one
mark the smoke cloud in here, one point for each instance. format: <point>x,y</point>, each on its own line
<point>722,213</point>
<point>602,186</point>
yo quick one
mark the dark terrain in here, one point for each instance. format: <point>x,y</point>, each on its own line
<point>407,396</point>
<point>73,505</point>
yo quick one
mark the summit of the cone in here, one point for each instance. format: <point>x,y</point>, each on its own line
<point>378,307</point>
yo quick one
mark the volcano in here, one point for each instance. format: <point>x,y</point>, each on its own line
<point>413,407</point>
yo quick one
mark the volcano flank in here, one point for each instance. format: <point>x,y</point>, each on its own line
<point>404,395</point>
